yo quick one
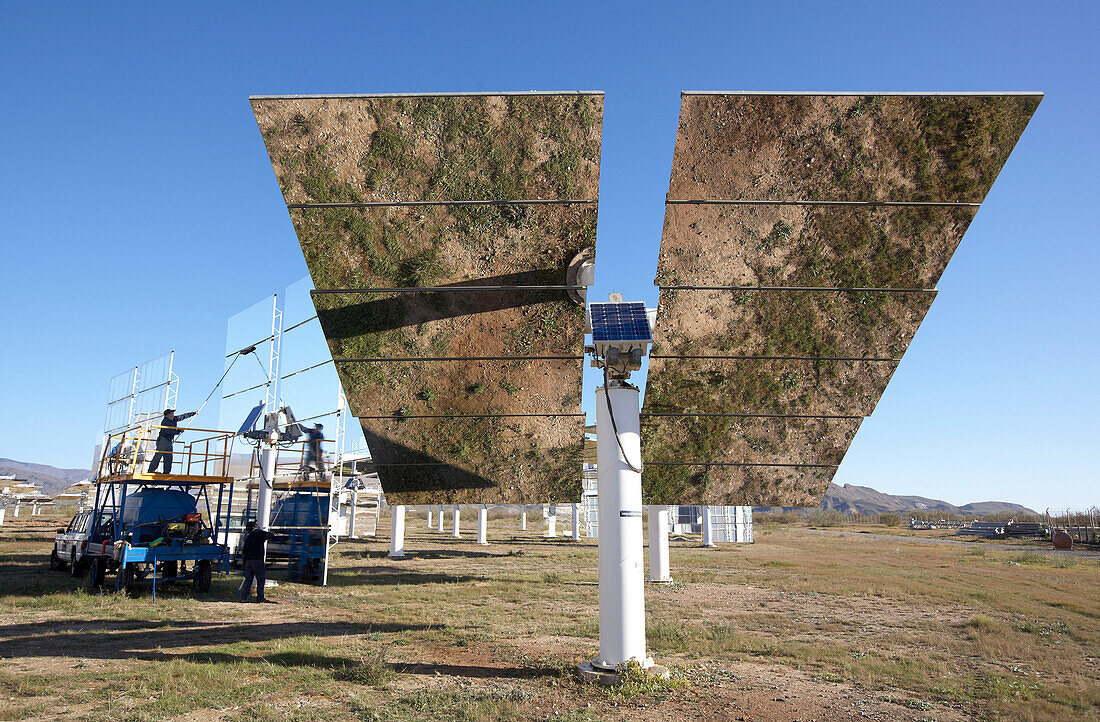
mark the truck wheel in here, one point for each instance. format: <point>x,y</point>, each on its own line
<point>55,561</point>
<point>130,580</point>
<point>93,580</point>
<point>200,582</point>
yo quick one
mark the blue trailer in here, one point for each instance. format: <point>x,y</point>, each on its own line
<point>152,529</point>
<point>299,521</point>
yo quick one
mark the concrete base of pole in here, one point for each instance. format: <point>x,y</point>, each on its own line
<point>483,526</point>
<point>590,672</point>
<point>523,519</point>
<point>576,513</point>
<point>429,519</point>
<point>551,523</point>
<point>658,545</point>
<point>440,518</point>
<point>397,532</point>
<point>456,533</point>
<point>708,529</point>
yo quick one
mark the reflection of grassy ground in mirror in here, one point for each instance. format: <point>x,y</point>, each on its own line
<point>803,623</point>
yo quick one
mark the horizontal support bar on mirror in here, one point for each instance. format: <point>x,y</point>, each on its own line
<point>399,204</point>
<point>457,94</point>
<point>437,289</point>
<point>307,368</point>
<point>737,463</point>
<point>869,93</point>
<point>784,358</point>
<point>798,288</point>
<point>300,323</point>
<point>459,358</point>
<point>689,414</point>
<point>465,416</point>
<point>739,202</point>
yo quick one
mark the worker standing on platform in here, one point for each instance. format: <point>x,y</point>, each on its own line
<point>252,555</point>
<point>314,437</point>
<point>168,433</point>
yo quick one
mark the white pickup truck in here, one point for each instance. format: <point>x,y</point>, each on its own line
<point>71,543</point>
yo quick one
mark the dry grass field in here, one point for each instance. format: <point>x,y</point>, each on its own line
<point>804,624</point>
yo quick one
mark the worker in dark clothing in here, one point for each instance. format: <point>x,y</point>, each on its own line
<point>314,437</point>
<point>252,554</point>
<point>168,432</point>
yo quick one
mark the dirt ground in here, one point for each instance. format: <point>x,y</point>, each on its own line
<point>801,625</point>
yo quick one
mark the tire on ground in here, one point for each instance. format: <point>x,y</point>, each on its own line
<point>200,582</point>
<point>93,579</point>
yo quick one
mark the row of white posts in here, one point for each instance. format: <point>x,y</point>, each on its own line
<point>658,532</point>
<point>397,525</point>
<point>36,510</point>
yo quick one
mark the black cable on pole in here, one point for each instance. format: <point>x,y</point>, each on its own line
<point>611,413</point>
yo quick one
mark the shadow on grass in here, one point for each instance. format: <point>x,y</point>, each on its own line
<point>94,639</point>
<point>359,576</point>
<point>476,671</point>
<point>324,661</point>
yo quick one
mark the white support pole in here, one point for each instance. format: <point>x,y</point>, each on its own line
<point>658,545</point>
<point>576,513</point>
<point>353,501</point>
<point>551,521</point>
<point>267,480</point>
<point>708,528</point>
<point>440,517</point>
<point>456,533</point>
<point>483,525</point>
<point>397,532</point>
<point>429,518</point>
<point>622,581</point>
<point>523,518</point>
<point>15,513</point>
<point>3,511</point>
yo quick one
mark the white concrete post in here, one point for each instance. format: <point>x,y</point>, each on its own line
<point>3,511</point>
<point>456,533</point>
<point>551,522</point>
<point>658,544</point>
<point>267,477</point>
<point>397,532</point>
<point>523,518</point>
<point>15,512</point>
<point>622,580</point>
<point>429,518</point>
<point>483,525</point>
<point>708,528</point>
<point>575,509</point>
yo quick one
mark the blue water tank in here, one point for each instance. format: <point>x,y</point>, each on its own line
<point>300,510</point>
<point>152,507</point>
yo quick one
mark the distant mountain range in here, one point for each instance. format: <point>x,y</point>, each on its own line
<point>848,498</point>
<point>52,479</point>
<point>865,500</point>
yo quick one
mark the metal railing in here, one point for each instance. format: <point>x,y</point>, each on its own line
<point>129,453</point>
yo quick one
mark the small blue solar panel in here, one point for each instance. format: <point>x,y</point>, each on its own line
<point>620,322</point>
<point>249,422</point>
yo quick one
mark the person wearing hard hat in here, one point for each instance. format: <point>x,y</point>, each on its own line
<point>169,430</point>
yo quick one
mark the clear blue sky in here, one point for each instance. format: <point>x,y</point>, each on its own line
<point>138,209</point>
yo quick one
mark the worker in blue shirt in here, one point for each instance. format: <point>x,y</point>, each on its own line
<point>168,432</point>
<point>252,555</point>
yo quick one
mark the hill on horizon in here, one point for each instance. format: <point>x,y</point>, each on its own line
<point>52,479</point>
<point>849,498</point>
<point>865,500</point>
